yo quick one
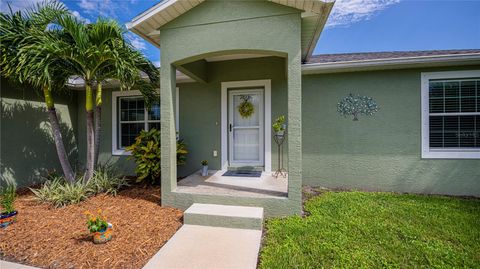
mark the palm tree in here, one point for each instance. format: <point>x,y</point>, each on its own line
<point>128,69</point>
<point>18,31</point>
<point>96,52</point>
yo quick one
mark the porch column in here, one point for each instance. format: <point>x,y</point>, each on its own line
<point>295,131</point>
<point>168,136</point>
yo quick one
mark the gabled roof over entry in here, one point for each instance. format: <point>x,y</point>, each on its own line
<point>314,17</point>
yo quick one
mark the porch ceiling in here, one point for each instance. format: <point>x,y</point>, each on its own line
<point>314,17</point>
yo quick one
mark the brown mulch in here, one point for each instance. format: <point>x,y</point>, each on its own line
<point>58,238</point>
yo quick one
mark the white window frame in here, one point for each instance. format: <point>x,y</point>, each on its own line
<point>433,153</point>
<point>116,151</point>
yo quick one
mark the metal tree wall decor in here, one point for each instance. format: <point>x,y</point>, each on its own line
<point>246,108</point>
<point>355,105</point>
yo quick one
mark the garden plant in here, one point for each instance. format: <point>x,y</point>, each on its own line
<point>146,152</point>
<point>98,226</point>
<point>7,205</point>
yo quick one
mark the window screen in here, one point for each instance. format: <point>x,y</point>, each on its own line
<point>134,117</point>
<point>454,113</point>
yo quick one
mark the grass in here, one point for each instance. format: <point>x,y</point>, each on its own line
<point>376,230</point>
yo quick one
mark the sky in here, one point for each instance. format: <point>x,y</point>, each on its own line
<point>353,25</point>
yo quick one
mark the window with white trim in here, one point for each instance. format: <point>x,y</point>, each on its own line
<point>451,114</point>
<point>133,117</point>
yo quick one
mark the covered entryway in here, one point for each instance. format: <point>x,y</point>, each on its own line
<point>212,47</point>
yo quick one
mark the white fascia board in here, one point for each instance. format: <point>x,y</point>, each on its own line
<point>397,63</point>
<point>321,22</point>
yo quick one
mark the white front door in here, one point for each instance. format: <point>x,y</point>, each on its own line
<point>246,138</point>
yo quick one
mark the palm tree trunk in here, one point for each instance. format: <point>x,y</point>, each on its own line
<point>90,132</point>
<point>57,136</point>
<point>98,123</point>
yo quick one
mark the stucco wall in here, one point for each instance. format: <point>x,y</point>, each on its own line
<point>27,149</point>
<point>382,152</point>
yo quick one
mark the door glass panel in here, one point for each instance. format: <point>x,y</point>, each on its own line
<point>246,145</point>
<point>246,130</point>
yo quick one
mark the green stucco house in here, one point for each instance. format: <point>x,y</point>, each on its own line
<point>424,138</point>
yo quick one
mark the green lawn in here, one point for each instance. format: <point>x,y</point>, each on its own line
<point>376,230</point>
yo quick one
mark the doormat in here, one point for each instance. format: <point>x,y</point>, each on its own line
<point>242,173</point>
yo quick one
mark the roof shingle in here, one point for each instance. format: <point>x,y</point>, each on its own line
<point>363,56</point>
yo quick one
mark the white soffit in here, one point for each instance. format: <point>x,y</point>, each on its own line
<point>314,17</point>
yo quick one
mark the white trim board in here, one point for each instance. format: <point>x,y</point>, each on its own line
<point>427,152</point>
<point>267,85</point>
<point>115,94</point>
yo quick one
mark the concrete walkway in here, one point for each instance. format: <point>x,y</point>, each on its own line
<point>202,243</point>
<point>11,265</point>
<point>195,246</point>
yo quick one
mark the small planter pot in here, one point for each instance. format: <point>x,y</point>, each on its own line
<point>7,219</point>
<point>280,133</point>
<point>204,170</point>
<point>103,236</point>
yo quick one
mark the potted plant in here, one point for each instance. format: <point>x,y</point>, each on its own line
<point>279,126</point>
<point>98,226</point>
<point>204,168</point>
<point>8,214</point>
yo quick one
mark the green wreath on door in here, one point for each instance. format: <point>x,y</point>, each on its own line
<point>246,108</point>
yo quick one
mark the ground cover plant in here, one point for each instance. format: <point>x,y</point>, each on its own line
<point>376,230</point>
<point>60,192</point>
<point>49,237</point>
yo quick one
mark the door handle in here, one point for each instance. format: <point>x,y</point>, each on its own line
<point>230,127</point>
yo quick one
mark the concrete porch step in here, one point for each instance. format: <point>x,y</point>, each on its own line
<point>241,217</point>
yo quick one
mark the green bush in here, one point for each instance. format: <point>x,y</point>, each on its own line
<point>147,155</point>
<point>106,180</point>
<point>59,192</point>
<point>7,199</point>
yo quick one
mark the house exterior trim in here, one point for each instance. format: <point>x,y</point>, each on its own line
<point>396,63</point>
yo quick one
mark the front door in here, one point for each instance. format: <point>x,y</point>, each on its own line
<point>246,145</point>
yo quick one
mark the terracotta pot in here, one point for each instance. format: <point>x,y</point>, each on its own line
<point>104,236</point>
<point>7,219</point>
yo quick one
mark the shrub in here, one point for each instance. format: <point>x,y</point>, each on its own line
<point>57,191</point>
<point>106,180</point>
<point>7,199</point>
<point>147,155</point>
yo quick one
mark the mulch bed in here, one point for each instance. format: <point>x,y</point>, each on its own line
<point>58,238</point>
